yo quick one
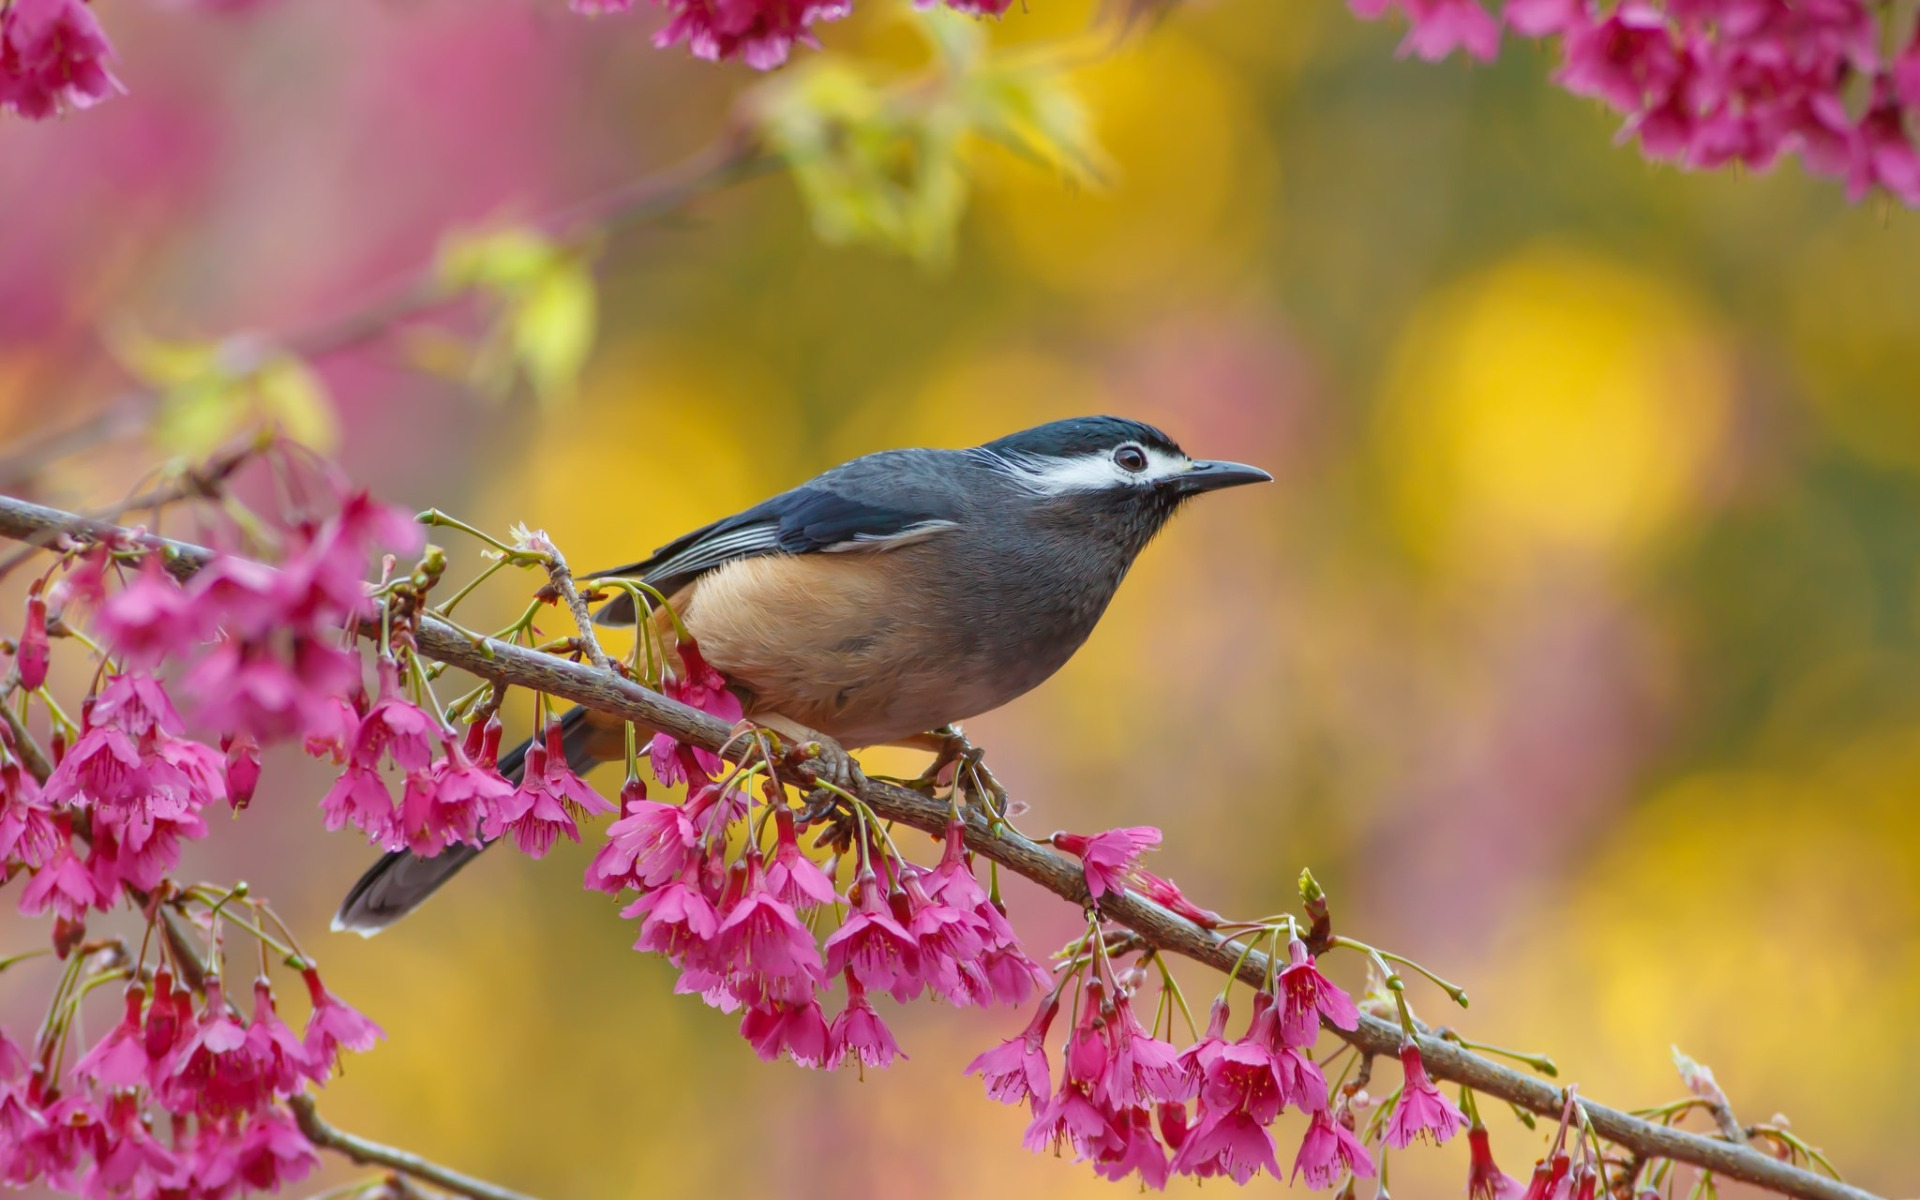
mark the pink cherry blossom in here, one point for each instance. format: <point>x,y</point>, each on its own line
<point>282,1058</point>
<point>1330,1150</point>
<point>243,768</point>
<point>1422,1111</point>
<point>119,1060</point>
<point>359,797</point>
<point>215,1070</point>
<point>769,953</point>
<point>1228,1142</point>
<point>758,32</point>
<point>874,946</point>
<point>332,1025</point>
<point>1017,1070</point>
<point>650,844</point>
<point>1622,57</point>
<point>949,942</point>
<point>1107,858</point>
<point>27,832</point>
<point>676,921</point>
<point>53,56</point>
<point>169,1020</point>
<point>1885,157</point>
<point>1306,995</point>
<point>1485,1180</point>
<point>791,876</point>
<point>64,885</point>
<point>1438,27</point>
<point>859,1034</point>
<point>132,1158</point>
<point>797,1030</point>
<point>152,618</point>
<point>252,688</point>
<point>273,1153</point>
<point>456,799</point>
<point>1138,1152</point>
<point>549,802</point>
<point>394,727</point>
<point>1070,1117</point>
<point>699,686</point>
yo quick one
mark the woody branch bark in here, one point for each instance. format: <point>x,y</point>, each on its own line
<point>608,692</point>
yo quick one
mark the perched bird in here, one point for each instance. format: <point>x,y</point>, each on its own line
<point>889,597</point>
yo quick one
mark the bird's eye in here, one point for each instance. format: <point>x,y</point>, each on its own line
<point>1131,458</point>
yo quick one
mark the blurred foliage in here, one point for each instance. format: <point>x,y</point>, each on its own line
<point>889,165</point>
<point>544,310</point>
<point>1576,648</point>
<point>210,392</point>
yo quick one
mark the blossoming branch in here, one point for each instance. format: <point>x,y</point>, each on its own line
<point>184,1095</point>
<point>1701,83</point>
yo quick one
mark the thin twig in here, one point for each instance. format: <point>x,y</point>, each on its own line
<point>32,757</point>
<point>373,1154</point>
<point>562,580</point>
<point>607,692</point>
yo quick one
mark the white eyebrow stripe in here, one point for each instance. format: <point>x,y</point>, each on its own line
<point>1045,476</point>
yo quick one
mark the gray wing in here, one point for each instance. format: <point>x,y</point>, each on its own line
<point>872,503</point>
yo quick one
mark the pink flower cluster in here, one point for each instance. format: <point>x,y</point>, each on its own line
<point>53,57</point>
<point>1123,1102</point>
<point>116,808</point>
<point>215,1081</point>
<point>1704,83</point>
<point>266,641</point>
<point>732,919</point>
<point>459,795</point>
<point>760,33</point>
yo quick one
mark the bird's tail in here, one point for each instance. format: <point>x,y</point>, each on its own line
<point>401,881</point>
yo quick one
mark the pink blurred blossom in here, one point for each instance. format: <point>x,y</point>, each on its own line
<point>53,56</point>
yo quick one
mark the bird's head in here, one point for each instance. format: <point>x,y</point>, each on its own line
<point>1109,469</point>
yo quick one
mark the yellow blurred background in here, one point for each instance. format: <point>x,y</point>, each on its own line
<point>1576,649</point>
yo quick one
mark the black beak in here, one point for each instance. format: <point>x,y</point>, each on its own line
<point>1207,475</point>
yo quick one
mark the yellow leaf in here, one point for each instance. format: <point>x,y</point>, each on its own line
<point>547,309</point>
<point>289,395</point>
<point>553,327</point>
<point>211,392</point>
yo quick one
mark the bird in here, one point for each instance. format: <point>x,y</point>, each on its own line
<point>886,599</point>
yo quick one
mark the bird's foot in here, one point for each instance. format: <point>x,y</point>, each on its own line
<point>831,762</point>
<point>957,761</point>
<point>950,746</point>
<point>814,752</point>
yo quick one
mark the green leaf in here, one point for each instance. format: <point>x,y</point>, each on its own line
<point>886,165</point>
<point>546,308</point>
<point>871,170</point>
<point>553,328</point>
<point>211,392</point>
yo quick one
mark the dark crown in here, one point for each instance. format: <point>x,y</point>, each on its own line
<point>1082,435</point>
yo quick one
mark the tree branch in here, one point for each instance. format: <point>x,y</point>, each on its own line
<point>607,692</point>
<point>561,578</point>
<point>373,1154</point>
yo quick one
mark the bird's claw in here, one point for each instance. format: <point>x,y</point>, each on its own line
<point>964,764</point>
<point>829,762</point>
